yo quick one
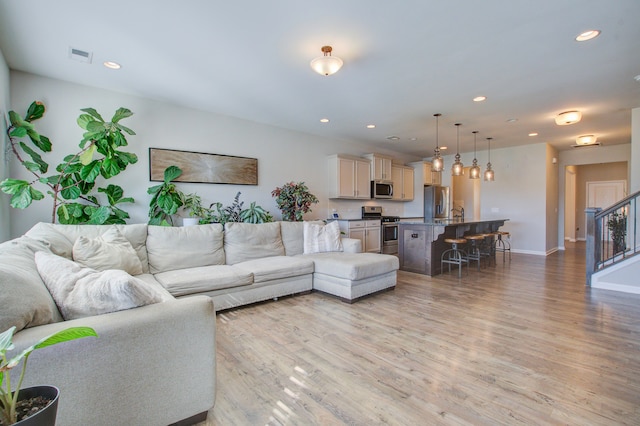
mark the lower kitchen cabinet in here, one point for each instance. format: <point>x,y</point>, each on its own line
<point>368,231</point>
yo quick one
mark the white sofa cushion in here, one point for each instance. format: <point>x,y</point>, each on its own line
<point>293,236</point>
<point>353,266</point>
<point>181,282</point>
<point>24,299</point>
<point>81,292</point>
<point>61,238</point>
<point>170,248</point>
<point>110,250</point>
<point>276,267</point>
<point>322,238</point>
<point>248,241</point>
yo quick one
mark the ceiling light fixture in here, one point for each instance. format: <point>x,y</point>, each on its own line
<point>489,175</point>
<point>457,167</point>
<point>533,134</point>
<point>437,163</point>
<point>393,138</point>
<point>586,140</point>
<point>568,117</point>
<point>371,126</point>
<point>479,98</point>
<point>588,35</point>
<point>112,65</point>
<point>326,64</point>
<point>474,170</point>
<point>324,120</point>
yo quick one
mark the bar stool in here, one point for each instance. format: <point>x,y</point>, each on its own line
<point>503,243</point>
<point>487,248</point>
<point>475,253</point>
<point>454,255</point>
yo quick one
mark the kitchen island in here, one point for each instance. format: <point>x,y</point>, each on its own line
<point>421,244</point>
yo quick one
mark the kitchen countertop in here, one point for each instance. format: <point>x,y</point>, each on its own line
<point>447,222</point>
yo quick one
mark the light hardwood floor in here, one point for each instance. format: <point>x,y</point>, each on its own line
<point>523,342</point>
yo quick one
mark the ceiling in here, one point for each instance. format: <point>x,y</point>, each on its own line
<point>403,62</point>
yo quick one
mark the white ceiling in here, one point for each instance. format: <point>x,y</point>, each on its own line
<point>403,61</point>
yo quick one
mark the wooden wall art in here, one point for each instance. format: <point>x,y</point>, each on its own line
<point>201,167</point>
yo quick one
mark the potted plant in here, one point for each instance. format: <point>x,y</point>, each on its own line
<point>73,186</point>
<point>617,225</point>
<point>45,398</point>
<point>166,199</point>
<point>294,199</point>
<point>217,213</point>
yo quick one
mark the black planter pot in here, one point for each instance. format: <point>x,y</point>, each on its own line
<point>46,416</point>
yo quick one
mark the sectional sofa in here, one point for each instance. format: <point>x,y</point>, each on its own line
<point>151,293</point>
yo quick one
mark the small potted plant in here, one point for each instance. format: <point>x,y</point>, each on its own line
<point>617,225</point>
<point>294,199</point>
<point>166,199</point>
<point>44,398</point>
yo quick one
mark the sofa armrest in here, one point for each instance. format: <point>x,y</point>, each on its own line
<point>143,358</point>
<point>351,245</point>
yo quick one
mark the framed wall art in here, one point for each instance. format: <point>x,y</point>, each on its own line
<point>200,167</point>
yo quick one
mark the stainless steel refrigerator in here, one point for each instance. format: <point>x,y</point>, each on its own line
<point>436,202</point>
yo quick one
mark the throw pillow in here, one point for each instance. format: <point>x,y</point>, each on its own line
<point>322,238</point>
<point>111,250</point>
<point>80,292</point>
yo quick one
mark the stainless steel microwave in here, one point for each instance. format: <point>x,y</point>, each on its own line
<point>381,189</point>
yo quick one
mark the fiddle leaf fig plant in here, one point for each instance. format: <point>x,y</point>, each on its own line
<point>73,185</point>
<point>9,396</point>
<point>166,198</point>
<point>294,199</point>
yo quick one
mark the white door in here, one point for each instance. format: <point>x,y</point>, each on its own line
<point>606,193</point>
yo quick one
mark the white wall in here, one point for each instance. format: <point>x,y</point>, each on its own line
<point>282,155</point>
<point>4,162</point>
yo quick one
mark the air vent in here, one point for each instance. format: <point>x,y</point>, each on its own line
<point>80,55</point>
<point>587,145</point>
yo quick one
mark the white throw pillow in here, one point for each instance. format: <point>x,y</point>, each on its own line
<point>80,292</point>
<point>111,250</point>
<point>321,238</point>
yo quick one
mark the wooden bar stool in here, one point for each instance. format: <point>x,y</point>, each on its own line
<point>474,253</point>
<point>454,255</point>
<point>503,243</point>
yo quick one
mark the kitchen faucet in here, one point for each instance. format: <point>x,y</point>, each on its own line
<point>459,210</point>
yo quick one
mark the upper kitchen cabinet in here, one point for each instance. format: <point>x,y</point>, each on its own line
<point>402,178</point>
<point>380,166</point>
<point>349,177</point>
<point>430,177</point>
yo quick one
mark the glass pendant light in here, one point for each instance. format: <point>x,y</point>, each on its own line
<point>437,164</point>
<point>457,167</point>
<point>489,176</point>
<point>474,170</point>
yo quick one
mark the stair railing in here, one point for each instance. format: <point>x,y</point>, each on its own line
<point>612,234</point>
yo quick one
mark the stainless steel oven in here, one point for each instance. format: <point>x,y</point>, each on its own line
<point>390,234</point>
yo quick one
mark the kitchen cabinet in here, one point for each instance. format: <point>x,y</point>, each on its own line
<point>349,177</point>
<point>380,166</point>
<point>430,177</point>
<point>368,231</point>
<point>402,177</point>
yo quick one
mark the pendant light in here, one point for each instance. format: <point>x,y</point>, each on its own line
<point>437,164</point>
<point>489,176</point>
<point>474,170</point>
<point>457,167</point>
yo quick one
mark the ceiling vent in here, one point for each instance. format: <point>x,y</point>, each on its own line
<point>80,55</point>
<point>586,145</point>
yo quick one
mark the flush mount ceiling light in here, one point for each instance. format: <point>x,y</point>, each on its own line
<point>568,117</point>
<point>586,140</point>
<point>324,120</point>
<point>588,35</point>
<point>112,65</point>
<point>489,175</point>
<point>474,170</point>
<point>437,163</point>
<point>457,167</point>
<point>479,98</point>
<point>326,64</point>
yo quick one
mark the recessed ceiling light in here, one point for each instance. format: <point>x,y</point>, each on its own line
<point>324,120</point>
<point>393,138</point>
<point>533,134</point>
<point>637,78</point>
<point>588,35</point>
<point>443,148</point>
<point>112,65</point>
<point>371,126</point>
<point>512,120</point>
<point>413,139</point>
<point>479,98</point>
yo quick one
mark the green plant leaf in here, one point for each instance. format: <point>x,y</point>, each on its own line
<point>120,114</point>
<point>110,168</point>
<point>125,129</point>
<point>168,203</point>
<point>91,171</point>
<point>171,173</point>
<point>127,158</point>
<point>70,189</point>
<point>113,192</point>
<point>18,132</point>
<point>92,112</point>
<point>35,157</point>
<point>154,189</point>
<point>41,141</point>
<point>35,111</point>
<point>96,127</point>
<point>118,139</point>
<point>32,167</point>
<point>86,157</point>
<point>100,215</point>
<point>84,120</point>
